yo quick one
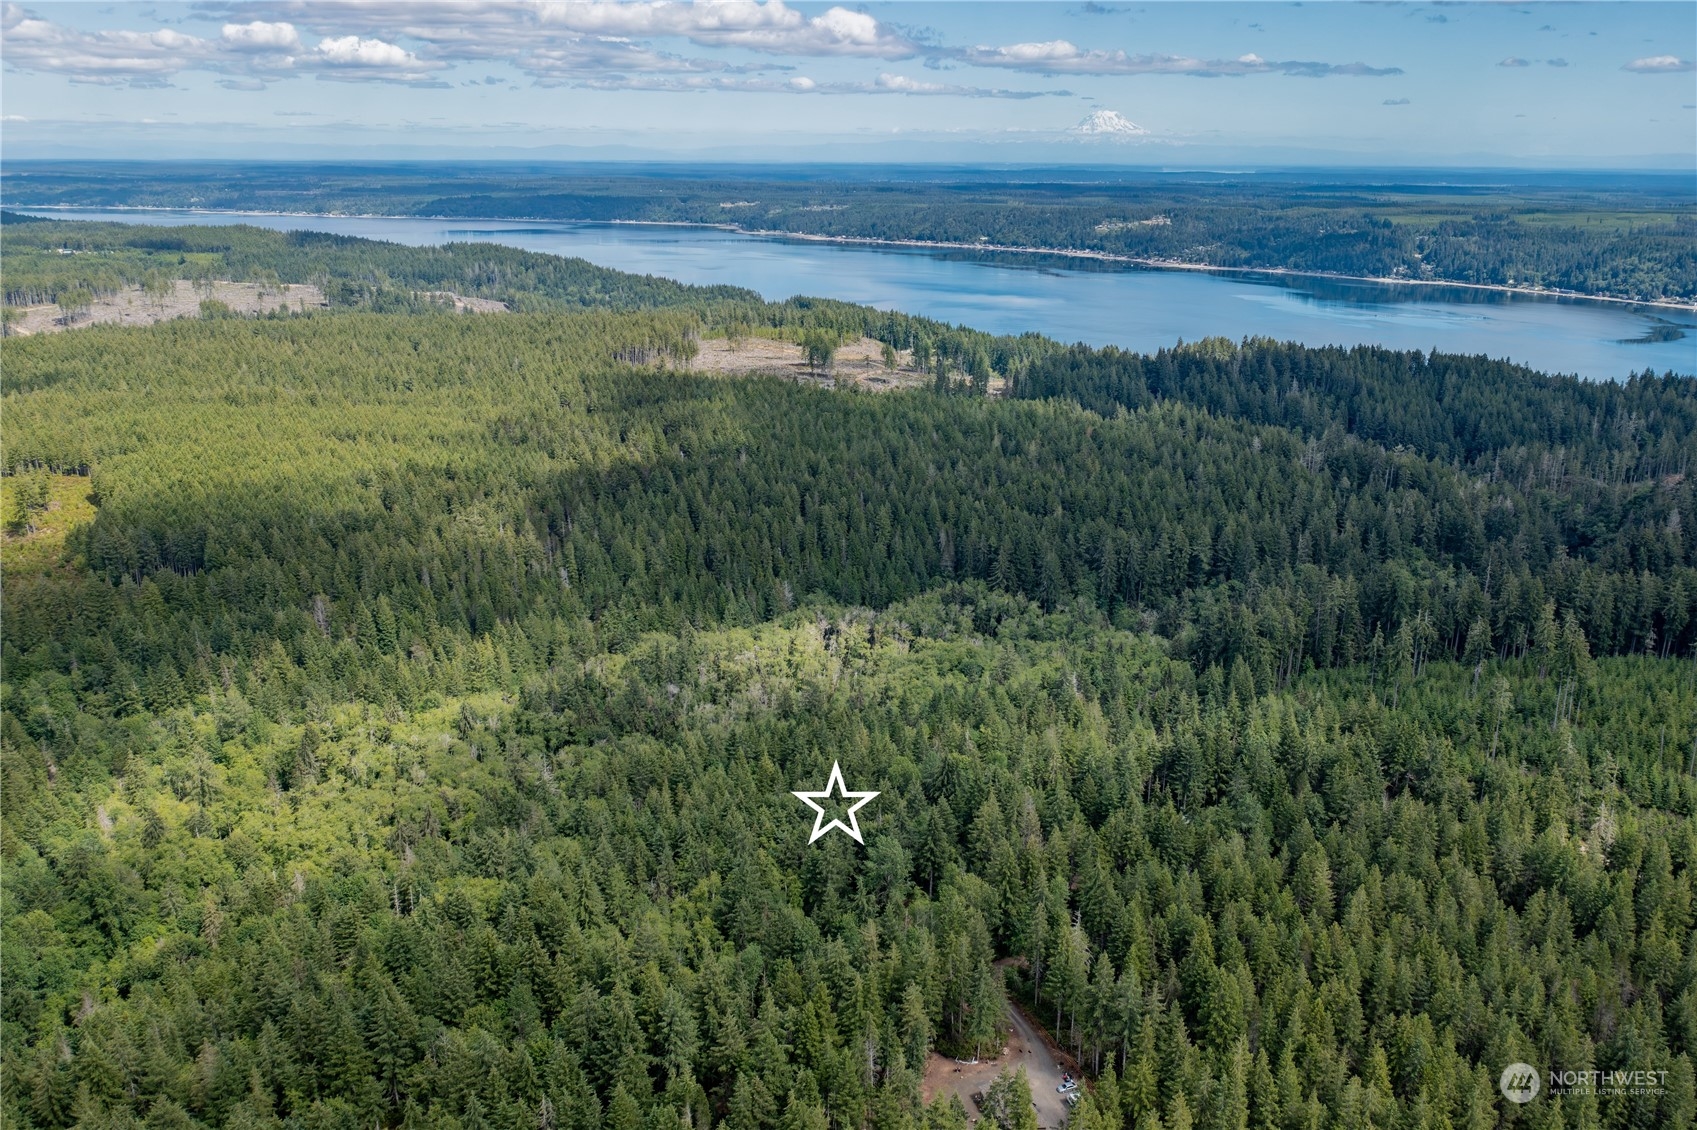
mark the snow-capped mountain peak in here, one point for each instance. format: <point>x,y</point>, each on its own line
<point>1108,123</point>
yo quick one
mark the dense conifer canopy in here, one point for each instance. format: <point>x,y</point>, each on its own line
<point>406,735</point>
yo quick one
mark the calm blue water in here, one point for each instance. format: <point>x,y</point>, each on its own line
<point>1071,301</point>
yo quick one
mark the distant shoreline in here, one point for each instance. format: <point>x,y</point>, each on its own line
<point>920,244</point>
<point>1208,268</point>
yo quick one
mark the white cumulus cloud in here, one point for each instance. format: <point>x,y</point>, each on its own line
<point>901,84</point>
<point>352,51</point>
<point>350,58</point>
<point>247,55</point>
<point>138,57</point>
<point>502,28</point>
<point>261,36</point>
<point>1660,65</point>
<point>562,42</point>
<point>772,27</point>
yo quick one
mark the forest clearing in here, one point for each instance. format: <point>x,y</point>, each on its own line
<point>1025,1047</point>
<point>860,362</point>
<point>133,306</point>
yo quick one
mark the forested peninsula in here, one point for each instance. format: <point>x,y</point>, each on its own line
<point>400,709</point>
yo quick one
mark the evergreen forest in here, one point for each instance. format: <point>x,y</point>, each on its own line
<point>401,710</point>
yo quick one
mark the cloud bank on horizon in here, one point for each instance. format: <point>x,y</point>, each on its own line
<point>675,62</point>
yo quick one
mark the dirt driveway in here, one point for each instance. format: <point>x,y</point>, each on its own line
<point>1026,1048</point>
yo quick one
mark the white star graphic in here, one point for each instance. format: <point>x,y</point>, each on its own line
<point>812,801</point>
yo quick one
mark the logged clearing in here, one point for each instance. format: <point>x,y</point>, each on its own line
<point>857,362</point>
<point>463,305</point>
<point>131,307</point>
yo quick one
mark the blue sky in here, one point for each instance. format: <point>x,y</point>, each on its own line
<point>1161,84</point>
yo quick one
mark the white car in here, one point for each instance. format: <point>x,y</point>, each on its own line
<point>1067,1085</point>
